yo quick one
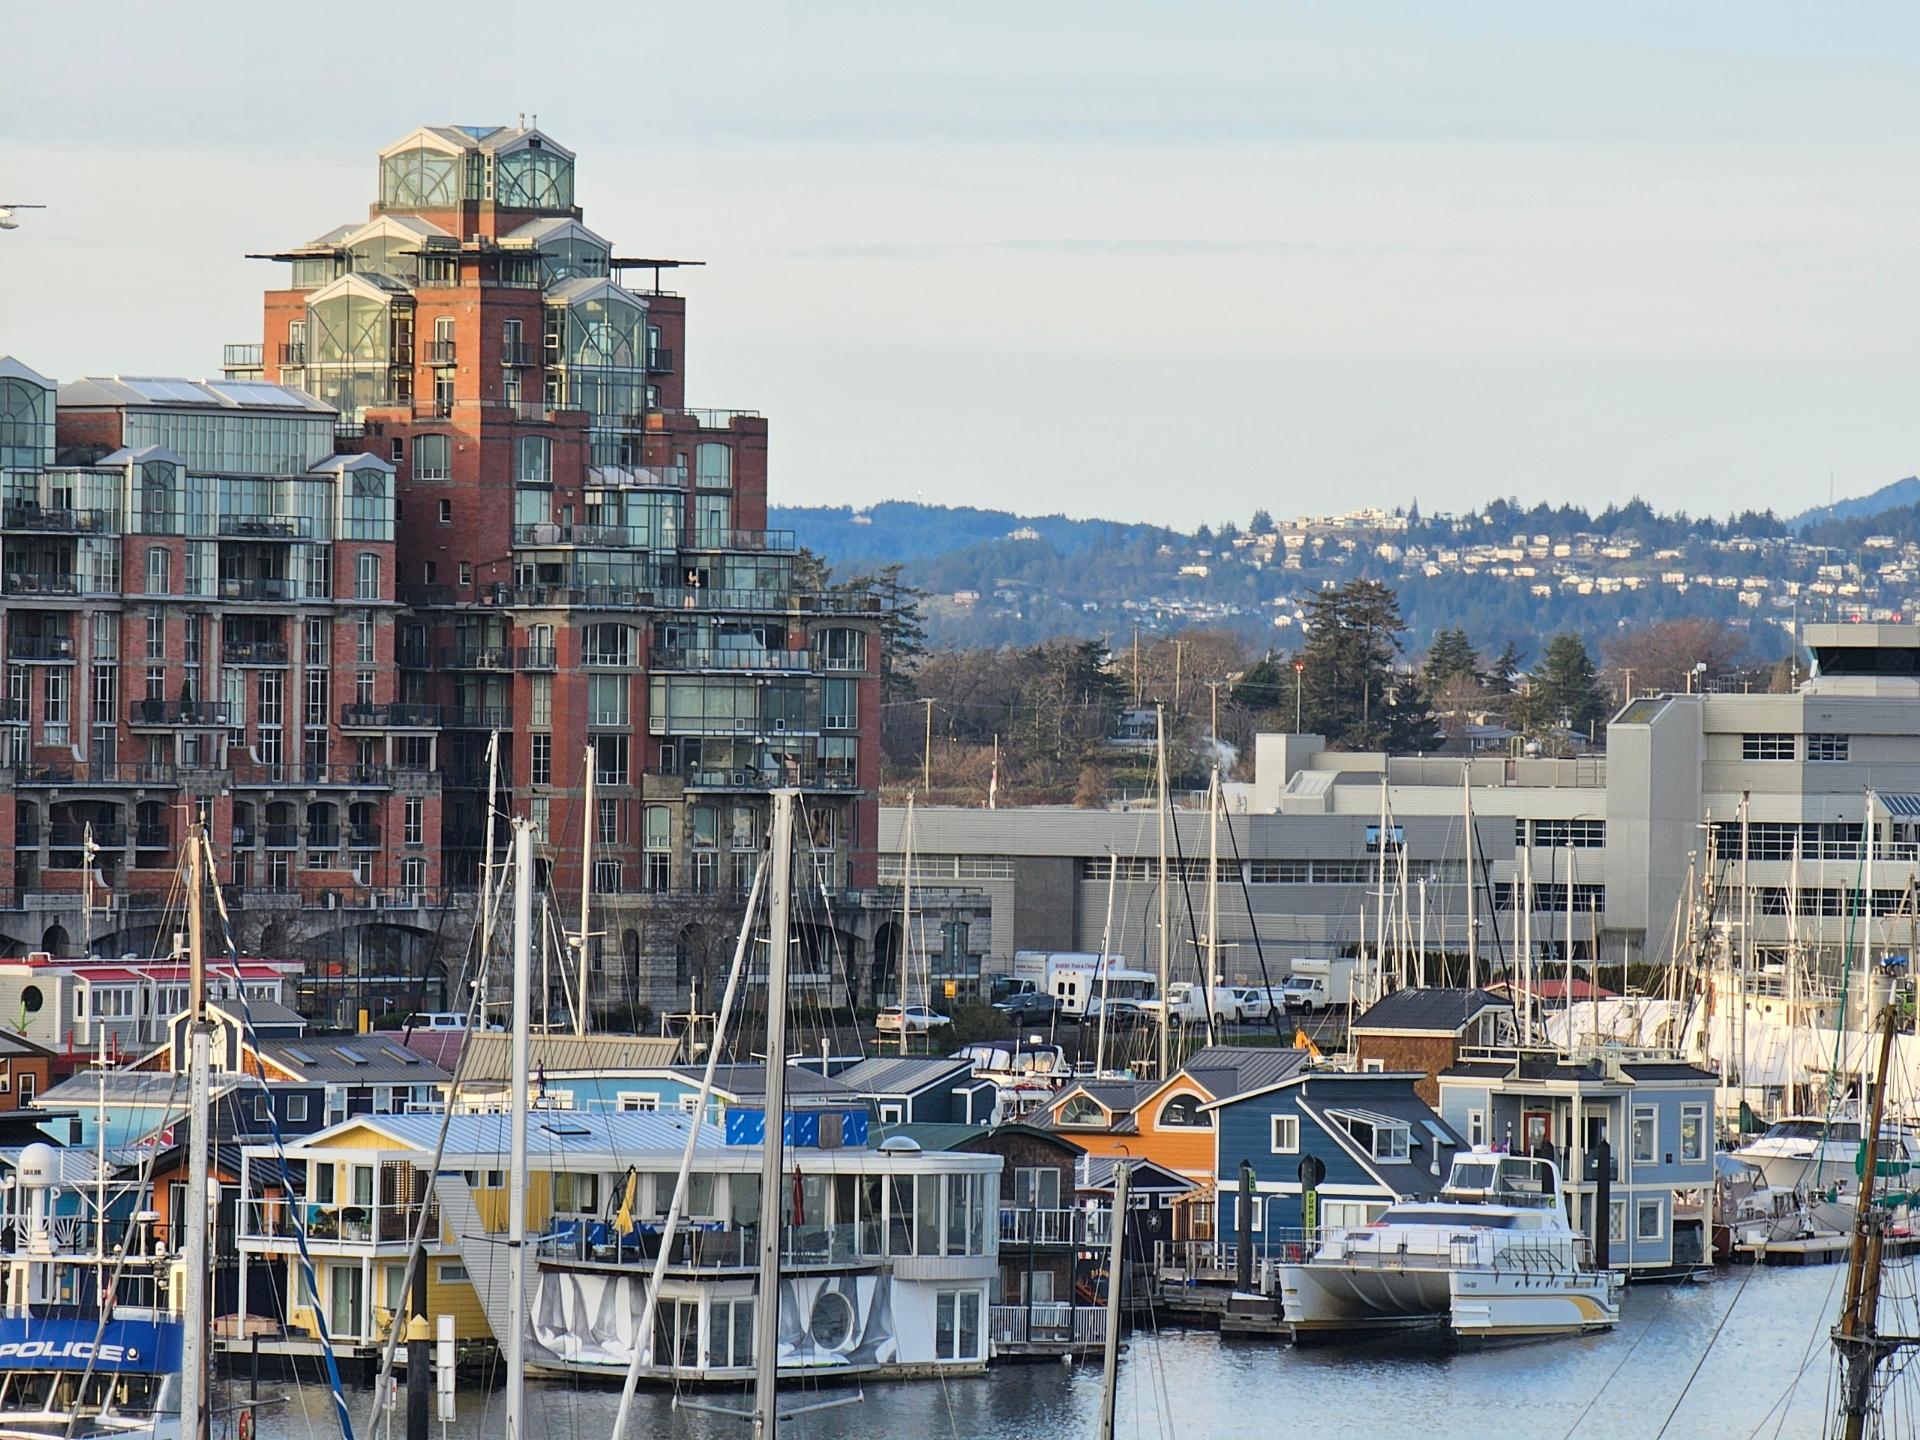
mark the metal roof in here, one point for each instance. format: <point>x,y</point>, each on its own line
<point>135,1087</point>
<point>481,1142</point>
<point>12,369</point>
<point>1229,1070</point>
<point>489,1052</point>
<point>749,1082</point>
<point>902,1074</point>
<point>927,1136</point>
<point>165,392</point>
<point>1095,1172</point>
<point>1433,1010</point>
<point>353,1059</point>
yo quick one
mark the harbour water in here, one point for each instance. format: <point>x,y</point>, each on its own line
<point>1743,1355</point>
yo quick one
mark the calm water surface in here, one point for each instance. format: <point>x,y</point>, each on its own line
<point>1771,1324</point>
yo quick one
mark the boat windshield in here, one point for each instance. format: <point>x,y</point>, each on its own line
<point>1450,1218</point>
<point>1844,1131</point>
<point>1502,1180</point>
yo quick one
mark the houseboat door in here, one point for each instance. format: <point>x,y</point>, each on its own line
<point>346,1297</point>
<point>1536,1131</point>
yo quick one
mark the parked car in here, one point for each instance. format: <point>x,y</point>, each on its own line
<point>1029,1008</point>
<point>915,1019</point>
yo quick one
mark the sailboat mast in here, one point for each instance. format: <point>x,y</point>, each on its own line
<point>1213,897</point>
<point>1116,1269</point>
<point>519,1070</point>
<point>1166,959</point>
<point>1568,999</point>
<point>906,923</point>
<point>193,1372</point>
<point>1377,985</point>
<point>766,1305</point>
<point>1106,963</point>
<point>487,864</point>
<point>586,897</point>
<point>1473,948</point>
<point>1861,1348</point>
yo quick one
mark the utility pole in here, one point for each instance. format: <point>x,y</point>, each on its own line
<point>926,751</point>
<point>1166,963</point>
<point>1299,680</point>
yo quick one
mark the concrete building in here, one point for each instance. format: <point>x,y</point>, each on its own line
<point>1303,860</point>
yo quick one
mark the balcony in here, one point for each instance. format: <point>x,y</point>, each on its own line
<point>774,542</point>
<point>281,837</point>
<point>389,717</point>
<point>71,835</point>
<point>254,652</point>
<point>661,419</point>
<point>39,647</point>
<point>258,587</point>
<point>534,657</point>
<point>330,1224</point>
<point>480,717</point>
<point>1041,1226</point>
<point>36,582</point>
<point>433,409</point>
<point>806,777</point>
<point>363,837</point>
<point>266,527</point>
<point>184,712</point>
<point>321,837</point>
<point>516,353</point>
<point>537,411</point>
<point>659,360</point>
<point>614,537</point>
<point>40,519</point>
<point>442,352</point>
<point>477,657</point>
<point>364,777</point>
<point>153,837</point>
<point>689,658</point>
<point>13,712</point>
<point>1054,1325</point>
<point>293,354</point>
<point>242,357</point>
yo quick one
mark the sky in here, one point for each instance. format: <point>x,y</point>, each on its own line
<point>1149,261</point>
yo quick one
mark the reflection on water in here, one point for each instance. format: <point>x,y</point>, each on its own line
<point>1190,1383</point>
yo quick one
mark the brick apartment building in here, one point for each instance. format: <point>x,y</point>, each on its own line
<point>583,559</point>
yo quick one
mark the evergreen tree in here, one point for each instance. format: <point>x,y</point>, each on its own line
<point>1503,671</point>
<point>903,628</point>
<point>1411,727</point>
<point>1352,638</point>
<point>1452,655</point>
<point>1267,684</point>
<point>1567,690</point>
<point>1262,523</point>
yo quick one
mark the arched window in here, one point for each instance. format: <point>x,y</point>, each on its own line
<point>534,178</point>
<point>420,178</point>
<point>1183,1112</point>
<point>26,424</point>
<point>1082,1110</point>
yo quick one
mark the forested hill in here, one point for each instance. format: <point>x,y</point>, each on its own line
<point>1506,572</point>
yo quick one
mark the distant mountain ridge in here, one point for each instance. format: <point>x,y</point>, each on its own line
<point>853,538</point>
<point>1901,494</point>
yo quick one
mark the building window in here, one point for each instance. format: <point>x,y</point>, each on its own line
<point>956,1326</point>
<point>637,1100</point>
<point>1476,1129</point>
<point>1766,747</point>
<point>296,1109</point>
<point>1646,1134</point>
<point>432,459</point>
<point>1828,749</point>
<point>713,465</point>
<point>466,572</point>
<point>446,512</point>
<point>1649,1218</point>
<point>415,820</point>
<point>610,759</point>
<point>1285,1134</point>
<point>1693,1132</point>
<point>541,695</point>
<point>1559,834</point>
<point>540,758</point>
<point>157,563</point>
<point>533,460</point>
<point>451,1272</point>
<point>1617,1222</point>
<point>366,576</point>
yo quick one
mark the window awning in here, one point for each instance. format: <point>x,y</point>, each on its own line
<point>1903,805</point>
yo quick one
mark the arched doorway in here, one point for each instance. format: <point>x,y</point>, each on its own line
<point>55,940</point>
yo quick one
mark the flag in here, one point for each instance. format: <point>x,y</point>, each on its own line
<point>623,1218</point>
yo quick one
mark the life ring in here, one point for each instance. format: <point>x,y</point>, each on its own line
<point>243,1429</point>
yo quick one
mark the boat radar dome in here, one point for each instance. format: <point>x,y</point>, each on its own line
<point>898,1145</point>
<point>35,1169</point>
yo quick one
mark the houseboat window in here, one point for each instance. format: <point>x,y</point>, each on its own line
<point>296,1108</point>
<point>1285,1134</point>
<point>1693,1132</point>
<point>957,1325</point>
<point>1036,1188</point>
<point>927,1216</point>
<point>637,1100</point>
<point>900,1215</point>
<point>1081,1110</point>
<point>1476,1127</point>
<point>576,1194</point>
<point>1648,1222</point>
<point>323,1183</point>
<point>262,1107</point>
<point>1183,1111</point>
<point>699,1193</point>
<point>730,1333</point>
<point>1617,1222</point>
<point>451,1272</point>
<point>1646,1134</point>
<point>676,1334</point>
<point>362,1184</point>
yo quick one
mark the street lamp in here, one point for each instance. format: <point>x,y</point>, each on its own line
<point>1299,677</point>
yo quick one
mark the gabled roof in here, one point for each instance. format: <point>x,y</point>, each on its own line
<point>747,1083</point>
<point>261,1012</point>
<point>1228,1070</point>
<point>547,228</point>
<point>1095,1173</point>
<point>1428,1010</point>
<point>903,1074</point>
<point>12,1044</point>
<point>346,464</point>
<point>591,287</point>
<point>127,1087</point>
<point>368,284</point>
<point>1428,1134</point>
<point>489,1054</point>
<point>1020,1130</point>
<point>382,226</point>
<point>488,139</point>
<point>12,369</point>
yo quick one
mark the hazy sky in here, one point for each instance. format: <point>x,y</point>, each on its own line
<point>1152,261</point>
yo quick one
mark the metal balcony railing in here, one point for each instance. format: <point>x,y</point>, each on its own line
<point>40,582</point>
<point>323,837</point>
<point>693,658</point>
<point>294,353</point>
<point>602,536</point>
<point>54,520</point>
<point>39,647</point>
<point>254,652</point>
<point>153,837</point>
<point>242,357</point>
<point>363,837</point>
<point>477,657</point>
<point>257,587</point>
<point>442,352</point>
<point>534,657</point>
<point>480,717</point>
<point>516,353</point>
<point>707,537</point>
<point>266,527</point>
<point>389,717</point>
<point>13,712</point>
<point>281,837</point>
<point>71,835</point>
<point>659,360</point>
<point>178,712</point>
